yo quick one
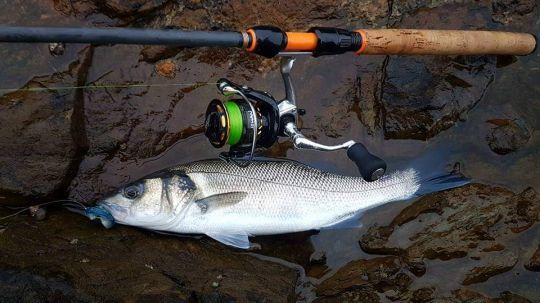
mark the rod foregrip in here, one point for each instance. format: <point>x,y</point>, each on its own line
<point>444,42</point>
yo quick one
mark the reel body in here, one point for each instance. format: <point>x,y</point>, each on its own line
<point>254,119</point>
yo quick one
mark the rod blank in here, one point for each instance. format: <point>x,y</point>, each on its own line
<point>121,36</point>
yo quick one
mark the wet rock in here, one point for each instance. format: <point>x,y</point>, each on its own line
<point>477,221</point>
<point>509,11</point>
<point>127,8</point>
<point>295,247</point>
<point>422,295</point>
<point>424,96</point>
<point>381,274</point>
<point>486,218</point>
<point>364,94</point>
<point>147,266</point>
<point>491,266</point>
<point>465,295</point>
<point>37,288</point>
<point>317,266</point>
<point>127,122</point>
<point>534,262</point>
<point>507,135</point>
<point>155,53</point>
<point>374,241</point>
<point>40,144</point>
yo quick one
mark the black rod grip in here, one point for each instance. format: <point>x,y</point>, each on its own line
<point>370,166</point>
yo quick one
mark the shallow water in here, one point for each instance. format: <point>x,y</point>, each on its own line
<point>132,132</point>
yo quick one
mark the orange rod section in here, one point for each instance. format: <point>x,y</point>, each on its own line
<point>301,42</point>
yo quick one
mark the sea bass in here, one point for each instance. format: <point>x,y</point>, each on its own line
<point>229,203</point>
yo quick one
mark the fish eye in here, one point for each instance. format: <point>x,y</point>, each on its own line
<point>133,191</point>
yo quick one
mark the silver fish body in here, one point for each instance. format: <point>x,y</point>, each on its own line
<point>230,203</point>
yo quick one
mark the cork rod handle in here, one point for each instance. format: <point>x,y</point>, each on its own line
<point>444,42</point>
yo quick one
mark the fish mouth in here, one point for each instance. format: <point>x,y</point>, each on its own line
<point>101,213</point>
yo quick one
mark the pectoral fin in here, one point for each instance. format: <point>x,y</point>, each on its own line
<point>237,239</point>
<point>220,200</point>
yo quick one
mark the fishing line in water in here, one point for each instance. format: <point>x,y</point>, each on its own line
<point>58,88</point>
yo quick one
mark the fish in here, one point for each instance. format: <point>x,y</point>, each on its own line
<point>230,203</point>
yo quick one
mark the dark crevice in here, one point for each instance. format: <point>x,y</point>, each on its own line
<point>77,128</point>
<point>379,98</point>
<point>390,12</point>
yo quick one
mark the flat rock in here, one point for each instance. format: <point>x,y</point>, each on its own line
<point>126,264</point>
<point>491,265</point>
<point>377,274</point>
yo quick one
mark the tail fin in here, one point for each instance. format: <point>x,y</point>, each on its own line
<point>433,173</point>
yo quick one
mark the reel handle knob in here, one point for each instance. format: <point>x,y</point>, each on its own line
<point>370,166</point>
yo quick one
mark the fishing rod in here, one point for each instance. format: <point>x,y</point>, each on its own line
<point>252,119</point>
<point>270,41</point>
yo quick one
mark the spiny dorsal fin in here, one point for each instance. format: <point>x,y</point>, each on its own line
<point>220,200</point>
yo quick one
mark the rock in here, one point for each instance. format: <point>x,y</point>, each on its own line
<point>147,266</point>
<point>534,262</point>
<point>128,8</point>
<point>486,218</point>
<point>465,295</point>
<point>295,248</point>
<point>507,136</point>
<point>155,53</point>
<point>424,96</point>
<point>477,221</point>
<point>41,144</point>
<point>377,274</point>
<point>491,266</point>
<point>37,288</point>
<point>509,11</point>
<point>422,295</point>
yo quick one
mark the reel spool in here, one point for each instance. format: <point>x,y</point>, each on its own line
<point>245,123</point>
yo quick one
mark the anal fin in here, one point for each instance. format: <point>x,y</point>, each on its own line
<point>238,239</point>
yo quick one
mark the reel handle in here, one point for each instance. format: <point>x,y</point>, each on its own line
<point>370,166</point>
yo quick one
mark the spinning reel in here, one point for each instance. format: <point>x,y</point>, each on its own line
<point>253,119</point>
